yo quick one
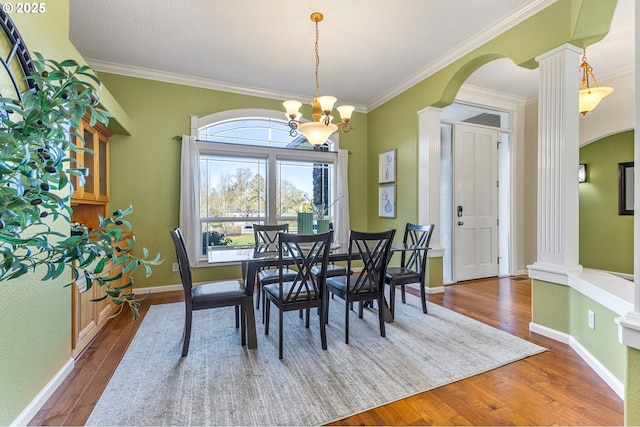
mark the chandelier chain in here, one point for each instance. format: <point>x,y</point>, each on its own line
<point>317,58</point>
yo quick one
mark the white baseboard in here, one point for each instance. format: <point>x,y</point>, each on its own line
<point>550,333</point>
<point>614,383</point>
<point>434,290</point>
<point>157,289</point>
<point>38,402</point>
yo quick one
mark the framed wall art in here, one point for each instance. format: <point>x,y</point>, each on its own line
<point>387,201</point>
<point>387,166</point>
<point>625,188</point>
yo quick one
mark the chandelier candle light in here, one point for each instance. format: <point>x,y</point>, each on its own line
<point>321,127</point>
<point>590,97</point>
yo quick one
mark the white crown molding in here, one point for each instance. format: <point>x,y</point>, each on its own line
<point>618,72</point>
<point>470,93</point>
<point>505,24</point>
<point>181,79</point>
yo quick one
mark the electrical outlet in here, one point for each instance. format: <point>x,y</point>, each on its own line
<point>592,319</point>
<point>175,266</point>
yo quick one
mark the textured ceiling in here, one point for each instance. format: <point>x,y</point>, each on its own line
<point>369,49</point>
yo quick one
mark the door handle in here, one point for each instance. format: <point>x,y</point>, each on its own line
<point>459,211</point>
<point>460,223</point>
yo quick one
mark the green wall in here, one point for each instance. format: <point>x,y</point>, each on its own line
<point>632,391</point>
<point>563,309</point>
<point>395,123</point>
<point>606,238</point>
<point>550,305</point>
<point>35,336</point>
<point>145,166</point>
<point>601,342</point>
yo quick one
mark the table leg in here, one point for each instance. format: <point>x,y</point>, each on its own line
<point>249,276</point>
<point>386,311</point>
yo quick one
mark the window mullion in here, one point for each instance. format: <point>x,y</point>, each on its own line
<point>272,179</point>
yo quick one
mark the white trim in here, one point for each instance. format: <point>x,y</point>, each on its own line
<point>434,290</point>
<point>38,402</point>
<point>629,330</point>
<point>550,333</point>
<point>157,289</point>
<point>608,290</point>
<point>182,79</point>
<point>520,15</point>
<point>525,12</point>
<point>435,253</point>
<point>614,383</point>
<point>493,99</point>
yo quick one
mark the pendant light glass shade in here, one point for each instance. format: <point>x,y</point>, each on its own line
<point>317,133</point>
<point>590,97</point>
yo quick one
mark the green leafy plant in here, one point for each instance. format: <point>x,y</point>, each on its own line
<point>35,188</point>
<point>214,238</point>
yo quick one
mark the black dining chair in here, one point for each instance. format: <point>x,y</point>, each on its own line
<point>373,249</point>
<point>230,293</point>
<point>266,241</point>
<point>413,264</point>
<point>304,291</point>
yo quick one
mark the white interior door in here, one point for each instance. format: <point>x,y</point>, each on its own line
<point>475,202</point>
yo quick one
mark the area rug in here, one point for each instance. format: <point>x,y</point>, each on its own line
<point>222,383</point>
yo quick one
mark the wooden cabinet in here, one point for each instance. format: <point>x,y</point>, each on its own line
<point>89,317</point>
<point>88,201</point>
<point>96,185</point>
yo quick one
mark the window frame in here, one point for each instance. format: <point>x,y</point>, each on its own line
<point>271,154</point>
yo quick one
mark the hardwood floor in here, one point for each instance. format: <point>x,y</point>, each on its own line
<point>552,388</point>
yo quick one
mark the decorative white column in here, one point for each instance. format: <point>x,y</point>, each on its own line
<point>558,158</point>
<point>629,331</point>
<point>429,174</point>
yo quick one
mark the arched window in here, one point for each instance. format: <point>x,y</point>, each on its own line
<point>252,171</point>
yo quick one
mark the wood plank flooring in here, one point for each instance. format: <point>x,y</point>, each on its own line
<point>552,388</point>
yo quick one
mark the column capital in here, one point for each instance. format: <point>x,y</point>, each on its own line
<point>562,48</point>
<point>629,329</point>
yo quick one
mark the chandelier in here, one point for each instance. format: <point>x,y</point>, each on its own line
<point>321,127</point>
<point>590,97</point>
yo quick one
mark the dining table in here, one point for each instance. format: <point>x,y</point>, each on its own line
<point>252,260</point>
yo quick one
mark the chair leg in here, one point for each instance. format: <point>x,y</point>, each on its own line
<point>404,299</point>
<point>381,317</point>
<point>306,323</point>
<point>423,297</point>
<point>243,323</point>
<point>187,333</point>
<point>258,296</point>
<point>264,303</point>
<point>346,324</point>
<point>326,311</point>
<point>237,317</point>
<point>280,332</point>
<point>267,312</point>
<point>323,329</point>
<point>360,309</point>
<point>392,299</point>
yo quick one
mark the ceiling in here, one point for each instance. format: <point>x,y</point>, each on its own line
<point>370,50</point>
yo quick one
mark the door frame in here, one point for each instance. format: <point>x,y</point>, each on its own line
<point>429,168</point>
